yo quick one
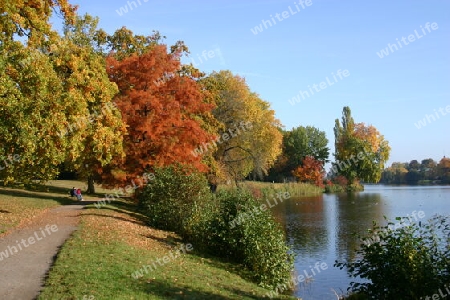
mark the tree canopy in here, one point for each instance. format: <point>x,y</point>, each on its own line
<point>162,106</point>
<point>112,107</point>
<point>428,171</point>
<point>360,150</point>
<point>247,135</point>
<point>299,143</point>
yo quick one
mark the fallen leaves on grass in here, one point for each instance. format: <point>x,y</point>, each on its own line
<point>16,212</point>
<point>111,225</point>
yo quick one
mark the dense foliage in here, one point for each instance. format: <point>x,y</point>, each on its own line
<point>235,226</point>
<point>247,134</point>
<point>298,143</point>
<point>360,150</point>
<point>311,171</point>
<point>169,200</point>
<point>230,224</point>
<point>402,261</point>
<point>427,171</point>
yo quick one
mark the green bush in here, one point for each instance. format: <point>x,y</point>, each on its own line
<point>168,201</point>
<point>406,262</point>
<point>236,226</point>
<point>230,224</point>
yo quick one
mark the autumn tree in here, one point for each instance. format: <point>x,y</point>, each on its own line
<point>360,150</point>
<point>161,103</point>
<point>310,171</point>
<point>57,105</point>
<point>32,103</point>
<point>443,170</point>
<point>395,174</point>
<point>247,138</point>
<point>94,124</point>
<point>31,109</point>
<point>29,20</point>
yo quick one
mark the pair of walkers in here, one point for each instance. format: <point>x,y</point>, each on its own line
<point>76,193</point>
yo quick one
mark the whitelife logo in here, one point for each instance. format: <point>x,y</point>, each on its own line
<point>224,137</point>
<point>36,237</point>
<point>242,217</point>
<point>280,17</point>
<point>173,254</point>
<point>411,38</point>
<point>318,87</point>
<point>432,118</point>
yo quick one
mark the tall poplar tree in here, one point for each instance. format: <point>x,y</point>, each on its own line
<point>360,150</point>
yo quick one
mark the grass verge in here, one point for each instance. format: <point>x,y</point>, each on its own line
<point>112,243</point>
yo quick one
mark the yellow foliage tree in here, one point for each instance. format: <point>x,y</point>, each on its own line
<point>247,137</point>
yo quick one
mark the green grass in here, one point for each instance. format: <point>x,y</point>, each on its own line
<point>112,243</point>
<point>19,205</point>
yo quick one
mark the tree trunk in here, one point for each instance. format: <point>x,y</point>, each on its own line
<point>91,187</point>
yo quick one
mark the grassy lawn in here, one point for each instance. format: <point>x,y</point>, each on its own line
<point>18,206</point>
<point>112,243</point>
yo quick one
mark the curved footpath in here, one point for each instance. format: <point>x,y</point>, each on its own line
<point>27,253</point>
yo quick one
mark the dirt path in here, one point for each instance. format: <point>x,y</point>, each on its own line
<point>27,253</point>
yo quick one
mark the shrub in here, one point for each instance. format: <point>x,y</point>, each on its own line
<point>409,262</point>
<point>230,224</point>
<point>169,200</point>
<point>237,227</point>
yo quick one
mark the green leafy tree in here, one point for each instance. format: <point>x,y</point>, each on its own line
<point>428,169</point>
<point>395,174</point>
<point>306,141</point>
<point>299,143</point>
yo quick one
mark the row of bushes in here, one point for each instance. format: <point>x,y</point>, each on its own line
<point>229,224</point>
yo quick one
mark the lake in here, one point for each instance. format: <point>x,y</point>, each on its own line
<point>320,229</point>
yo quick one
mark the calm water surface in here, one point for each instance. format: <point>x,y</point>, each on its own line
<point>320,229</point>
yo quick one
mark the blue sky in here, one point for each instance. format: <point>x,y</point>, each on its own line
<point>312,43</point>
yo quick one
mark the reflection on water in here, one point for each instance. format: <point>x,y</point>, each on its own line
<point>322,229</point>
<point>355,213</point>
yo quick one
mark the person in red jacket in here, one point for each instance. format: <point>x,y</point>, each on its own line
<point>78,194</point>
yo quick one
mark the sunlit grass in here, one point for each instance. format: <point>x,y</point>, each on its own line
<point>18,206</point>
<point>98,261</point>
<point>112,243</point>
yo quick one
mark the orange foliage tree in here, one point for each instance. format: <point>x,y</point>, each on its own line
<point>162,106</point>
<point>311,171</point>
